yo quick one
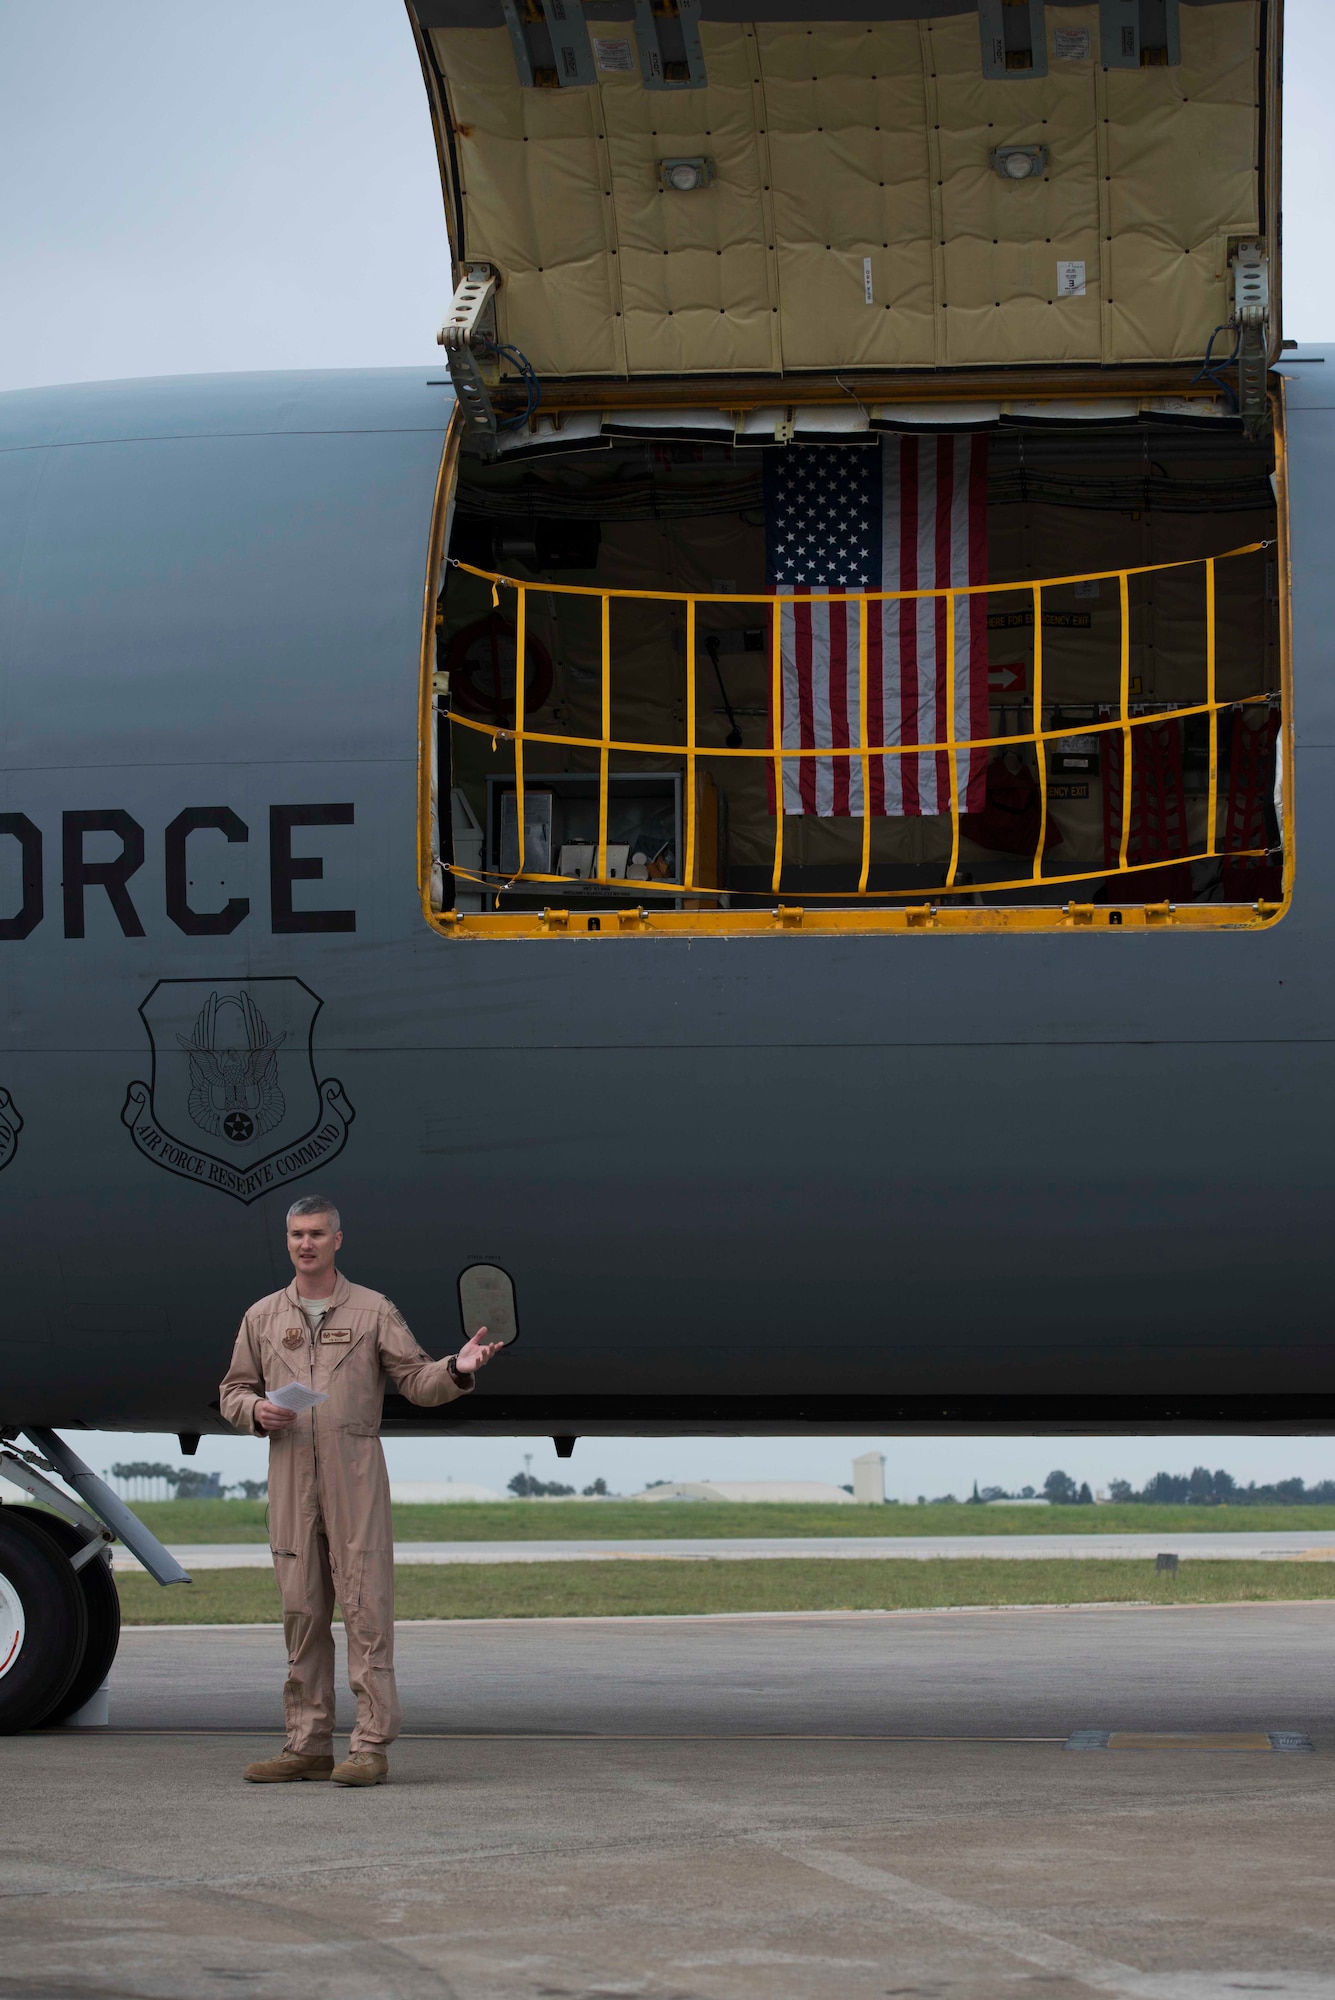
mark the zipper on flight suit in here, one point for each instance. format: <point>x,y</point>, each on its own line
<point>310,1384</point>
<point>315,1429</point>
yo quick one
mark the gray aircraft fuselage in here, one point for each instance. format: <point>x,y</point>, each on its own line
<point>871,1183</point>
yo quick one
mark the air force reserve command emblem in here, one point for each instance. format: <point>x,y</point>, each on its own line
<point>10,1127</point>
<point>234,1102</point>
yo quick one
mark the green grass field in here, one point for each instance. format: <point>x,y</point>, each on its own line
<point>638,1589</point>
<point>666,1520</point>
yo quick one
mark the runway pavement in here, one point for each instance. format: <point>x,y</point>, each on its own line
<point>1240,1547</point>
<point>700,1809</point>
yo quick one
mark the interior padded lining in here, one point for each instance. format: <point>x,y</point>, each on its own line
<point>839,142</point>
<point>697,275</point>
<point>1000,241</point>
<point>847,115</point>
<point>1194,129</point>
<point>533,174</point>
<point>1167,609</point>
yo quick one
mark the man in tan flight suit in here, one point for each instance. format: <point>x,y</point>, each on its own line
<point>329,1515</point>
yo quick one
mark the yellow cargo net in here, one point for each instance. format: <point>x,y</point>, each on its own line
<point>778,755</point>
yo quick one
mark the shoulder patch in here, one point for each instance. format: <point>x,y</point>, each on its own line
<point>395,1314</point>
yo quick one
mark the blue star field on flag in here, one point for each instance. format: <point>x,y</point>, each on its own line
<point>823,517</point>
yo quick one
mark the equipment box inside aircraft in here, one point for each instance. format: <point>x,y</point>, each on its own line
<point>561,831</point>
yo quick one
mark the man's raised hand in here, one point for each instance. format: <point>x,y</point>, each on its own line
<point>476,1353</point>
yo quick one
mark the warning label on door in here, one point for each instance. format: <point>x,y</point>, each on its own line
<point>614,55</point>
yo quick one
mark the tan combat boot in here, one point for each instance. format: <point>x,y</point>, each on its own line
<point>287,1768</point>
<point>361,1767</point>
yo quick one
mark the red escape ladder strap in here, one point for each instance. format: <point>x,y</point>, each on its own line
<point>1248,781</point>
<point>1158,802</point>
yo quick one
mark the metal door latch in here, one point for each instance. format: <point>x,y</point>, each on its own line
<point>1015,40</point>
<point>1139,34</point>
<point>1251,316</point>
<point>672,56</point>
<point>550,39</point>
<point>467,335</point>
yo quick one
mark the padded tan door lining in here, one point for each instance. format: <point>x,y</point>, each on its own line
<point>852,218</point>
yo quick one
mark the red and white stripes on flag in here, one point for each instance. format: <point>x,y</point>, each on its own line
<point>933,532</point>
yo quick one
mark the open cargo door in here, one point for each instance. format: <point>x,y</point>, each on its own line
<point>746,189</point>
<point>868,495</point>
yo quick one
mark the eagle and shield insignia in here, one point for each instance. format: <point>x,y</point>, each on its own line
<point>10,1127</point>
<point>234,1101</point>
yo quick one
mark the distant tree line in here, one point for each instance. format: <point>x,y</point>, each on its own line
<point>1062,1491</point>
<point>1059,1488</point>
<point>1201,1488</point>
<point>525,1487</point>
<point>186,1483</point>
<point>989,1493</point>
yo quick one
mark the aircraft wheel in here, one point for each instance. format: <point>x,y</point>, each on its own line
<point>102,1603</point>
<point>43,1623</point>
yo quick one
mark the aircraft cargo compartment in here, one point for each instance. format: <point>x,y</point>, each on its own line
<point>885,667</point>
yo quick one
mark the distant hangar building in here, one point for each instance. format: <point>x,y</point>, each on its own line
<point>748,1489</point>
<point>431,1492</point>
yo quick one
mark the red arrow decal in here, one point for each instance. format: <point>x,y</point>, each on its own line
<point>1011,679</point>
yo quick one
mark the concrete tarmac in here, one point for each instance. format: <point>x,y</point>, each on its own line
<point>700,1809</point>
<point>1238,1547</point>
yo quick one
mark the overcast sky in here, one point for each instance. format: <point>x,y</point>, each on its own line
<point>196,188</point>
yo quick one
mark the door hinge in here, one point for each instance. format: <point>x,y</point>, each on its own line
<point>469,339</point>
<point>1251,316</point>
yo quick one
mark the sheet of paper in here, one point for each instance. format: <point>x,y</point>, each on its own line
<point>296,1396</point>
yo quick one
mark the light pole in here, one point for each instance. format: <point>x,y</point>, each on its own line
<point>528,1475</point>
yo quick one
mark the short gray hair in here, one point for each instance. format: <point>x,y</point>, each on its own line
<point>315,1204</point>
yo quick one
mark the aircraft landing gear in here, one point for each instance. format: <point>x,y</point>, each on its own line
<point>60,1616</point>
<point>43,1622</point>
<point>102,1606</point>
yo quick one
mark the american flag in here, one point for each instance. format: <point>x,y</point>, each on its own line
<point>903,513</point>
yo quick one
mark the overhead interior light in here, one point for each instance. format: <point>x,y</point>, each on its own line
<point>1018,163</point>
<point>683,175</point>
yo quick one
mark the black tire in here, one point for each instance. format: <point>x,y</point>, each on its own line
<point>40,1663</point>
<point>102,1603</point>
